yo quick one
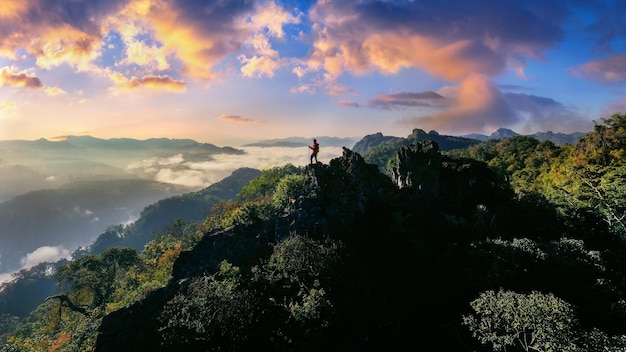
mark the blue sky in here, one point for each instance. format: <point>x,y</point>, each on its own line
<point>231,72</point>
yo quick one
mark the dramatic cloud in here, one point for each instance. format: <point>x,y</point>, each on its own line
<point>10,77</point>
<point>361,37</point>
<point>54,32</point>
<point>187,37</point>
<point>476,105</point>
<point>404,100</point>
<point>611,70</point>
<point>236,118</point>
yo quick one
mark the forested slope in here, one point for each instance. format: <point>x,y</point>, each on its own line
<point>512,245</point>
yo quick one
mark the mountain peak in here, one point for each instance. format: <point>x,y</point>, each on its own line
<point>503,133</point>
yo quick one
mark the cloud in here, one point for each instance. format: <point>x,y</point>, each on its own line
<point>611,70</point>
<point>199,174</point>
<point>269,16</point>
<point>263,158</point>
<point>450,42</point>
<point>44,254</point>
<point>53,91</point>
<point>545,114</point>
<point>199,34</point>
<point>151,82</point>
<point>476,105</point>
<point>258,66</point>
<point>154,162</point>
<point>237,118</point>
<point>187,177</point>
<point>349,103</point>
<point>189,38</point>
<point>10,77</point>
<point>55,32</point>
<point>404,99</point>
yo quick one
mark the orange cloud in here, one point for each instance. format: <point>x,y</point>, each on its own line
<point>611,70</point>
<point>12,8</point>
<point>475,105</point>
<point>9,77</point>
<point>199,43</point>
<point>450,42</point>
<point>65,44</point>
<point>156,35</point>
<point>236,118</point>
<point>50,34</point>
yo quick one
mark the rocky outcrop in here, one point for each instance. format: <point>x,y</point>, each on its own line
<point>442,182</point>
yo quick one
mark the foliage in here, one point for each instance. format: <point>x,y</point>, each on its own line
<point>288,188</point>
<point>226,310</point>
<point>97,275</point>
<point>213,309</point>
<point>527,322</point>
<point>383,152</point>
<point>265,184</point>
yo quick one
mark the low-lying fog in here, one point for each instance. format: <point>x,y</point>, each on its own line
<point>21,172</point>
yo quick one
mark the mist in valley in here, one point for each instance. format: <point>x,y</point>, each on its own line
<point>56,198</point>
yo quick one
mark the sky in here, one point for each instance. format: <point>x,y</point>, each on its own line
<point>234,72</point>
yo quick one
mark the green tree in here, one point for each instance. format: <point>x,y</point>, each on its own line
<point>287,189</point>
<point>97,274</point>
<point>525,322</point>
<point>265,184</point>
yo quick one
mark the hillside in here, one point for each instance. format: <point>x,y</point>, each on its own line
<point>32,285</point>
<point>188,207</point>
<point>349,253</point>
<point>440,248</point>
<point>448,142</point>
<point>72,215</point>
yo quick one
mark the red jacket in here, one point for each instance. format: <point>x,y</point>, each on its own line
<point>315,148</point>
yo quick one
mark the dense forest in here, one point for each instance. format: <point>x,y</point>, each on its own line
<point>509,244</point>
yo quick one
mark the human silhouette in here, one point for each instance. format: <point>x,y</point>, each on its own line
<point>314,150</point>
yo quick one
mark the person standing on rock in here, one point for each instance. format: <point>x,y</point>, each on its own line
<point>315,148</point>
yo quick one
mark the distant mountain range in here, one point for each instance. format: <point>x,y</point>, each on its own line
<point>296,142</point>
<point>556,138</point>
<point>65,193</point>
<point>89,142</point>
<point>446,142</point>
<point>44,164</point>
